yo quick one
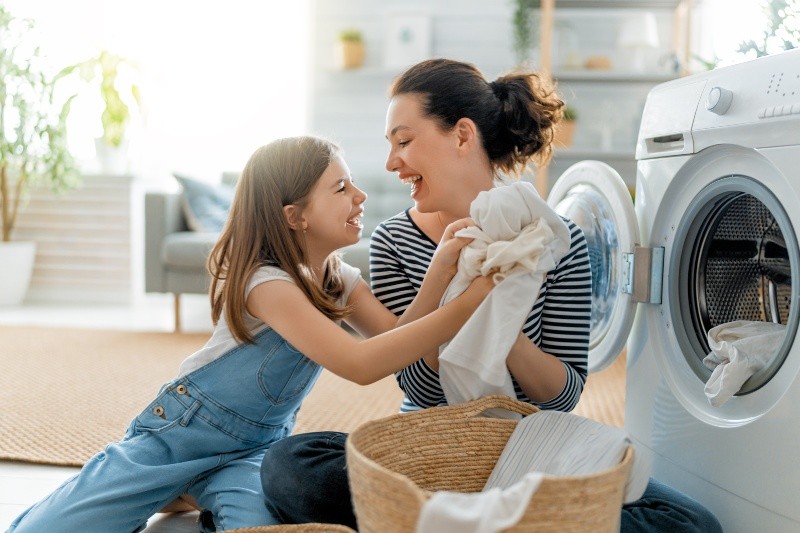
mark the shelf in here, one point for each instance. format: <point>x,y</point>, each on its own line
<point>586,153</point>
<point>612,76</point>
<point>617,4</point>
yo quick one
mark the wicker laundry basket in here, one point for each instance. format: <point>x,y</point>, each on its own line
<point>296,528</point>
<point>396,463</point>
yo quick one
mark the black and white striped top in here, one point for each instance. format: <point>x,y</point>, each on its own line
<point>558,323</point>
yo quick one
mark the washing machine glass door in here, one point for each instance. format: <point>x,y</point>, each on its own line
<point>594,196</point>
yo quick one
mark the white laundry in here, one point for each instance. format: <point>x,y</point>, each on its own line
<point>520,238</point>
<point>547,442</point>
<point>739,349</point>
<point>477,512</point>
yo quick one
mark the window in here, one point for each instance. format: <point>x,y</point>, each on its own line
<point>218,79</point>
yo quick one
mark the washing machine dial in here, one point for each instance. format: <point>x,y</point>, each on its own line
<point>719,100</point>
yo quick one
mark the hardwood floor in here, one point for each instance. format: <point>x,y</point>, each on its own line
<point>23,484</point>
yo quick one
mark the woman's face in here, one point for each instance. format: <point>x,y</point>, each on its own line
<point>424,156</point>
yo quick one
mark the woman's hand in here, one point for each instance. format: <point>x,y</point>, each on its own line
<point>445,259</point>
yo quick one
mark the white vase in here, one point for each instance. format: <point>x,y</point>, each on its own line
<point>16,267</point>
<point>113,159</point>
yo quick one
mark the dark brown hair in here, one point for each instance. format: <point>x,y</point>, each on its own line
<point>514,114</point>
<point>257,233</point>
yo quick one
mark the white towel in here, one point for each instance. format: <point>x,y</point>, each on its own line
<point>520,238</point>
<point>547,442</point>
<point>739,349</point>
<point>477,512</point>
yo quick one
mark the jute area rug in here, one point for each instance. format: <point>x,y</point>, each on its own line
<point>66,393</point>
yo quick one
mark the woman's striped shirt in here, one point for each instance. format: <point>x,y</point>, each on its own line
<point>558,323</point>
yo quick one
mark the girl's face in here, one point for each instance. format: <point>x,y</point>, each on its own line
<point>332,215</point>
<point>424,156</point>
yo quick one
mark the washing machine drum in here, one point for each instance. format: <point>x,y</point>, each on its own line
<point>733,264</point>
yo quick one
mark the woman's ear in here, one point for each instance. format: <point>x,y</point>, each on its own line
<point>294,217</point>
<point>466,132</point>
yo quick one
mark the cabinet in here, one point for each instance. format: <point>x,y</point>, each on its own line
<point>88,241</point>
<point>605,56</point>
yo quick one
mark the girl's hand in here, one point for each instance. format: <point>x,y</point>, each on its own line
<point>479,288</point>
<point>449,249</point>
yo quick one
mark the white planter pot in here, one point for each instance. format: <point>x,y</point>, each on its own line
<point>16,259</point>
<point>113,159</point>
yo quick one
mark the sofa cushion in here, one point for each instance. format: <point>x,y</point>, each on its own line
<point>205,205</point>
<point>187,249</point>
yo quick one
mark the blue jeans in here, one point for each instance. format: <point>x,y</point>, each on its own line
<point>205,435</point>
<point>305,480</point>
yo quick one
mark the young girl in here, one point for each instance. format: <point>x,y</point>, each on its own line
<point>278,292</point>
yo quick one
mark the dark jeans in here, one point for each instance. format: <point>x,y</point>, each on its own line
<point>305,480</point>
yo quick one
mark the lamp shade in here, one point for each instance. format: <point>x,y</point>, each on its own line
<point>638,30</point>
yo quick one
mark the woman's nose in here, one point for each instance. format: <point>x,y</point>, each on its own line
<point>392,163</point>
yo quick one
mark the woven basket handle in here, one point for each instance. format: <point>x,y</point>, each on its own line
<point>474,408</point>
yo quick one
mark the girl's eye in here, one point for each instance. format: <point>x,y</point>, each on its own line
<point>342,189</point>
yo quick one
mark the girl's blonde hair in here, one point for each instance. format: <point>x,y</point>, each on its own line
<point>257,233</point>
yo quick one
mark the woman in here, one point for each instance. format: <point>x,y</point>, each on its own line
<point>452,135</point>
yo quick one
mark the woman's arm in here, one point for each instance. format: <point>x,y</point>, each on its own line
<point>283,306</point>
<point>552,374</point>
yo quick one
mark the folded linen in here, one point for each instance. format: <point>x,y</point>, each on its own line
<point>545,443</point>
<point>739,349</point>
<point>519,239</point>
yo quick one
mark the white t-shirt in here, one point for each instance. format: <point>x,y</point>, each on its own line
<point>222,341</point>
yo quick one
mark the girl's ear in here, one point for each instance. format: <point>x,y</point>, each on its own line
<point>294,217</point>
<point>466,132</point>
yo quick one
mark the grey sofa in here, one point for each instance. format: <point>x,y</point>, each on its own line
<point>175,257</point>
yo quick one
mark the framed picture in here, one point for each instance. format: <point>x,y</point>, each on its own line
<point>408,38</point>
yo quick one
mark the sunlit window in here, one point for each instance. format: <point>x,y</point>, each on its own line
<point>217,79</point>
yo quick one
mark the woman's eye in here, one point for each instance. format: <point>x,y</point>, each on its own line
<point>403,143</point>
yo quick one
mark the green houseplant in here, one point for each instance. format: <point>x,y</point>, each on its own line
<point>120,94</point>
<point>33,142</point>
<point>782,31</point>
<point>523,22</point>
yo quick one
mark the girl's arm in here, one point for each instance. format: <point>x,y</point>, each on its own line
<point>282,306</point>
<point>371,318</point>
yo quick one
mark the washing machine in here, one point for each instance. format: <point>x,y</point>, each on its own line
<point>711,238</point>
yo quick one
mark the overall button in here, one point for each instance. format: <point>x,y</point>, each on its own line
<point>159,411</point>
<point>181,389</point>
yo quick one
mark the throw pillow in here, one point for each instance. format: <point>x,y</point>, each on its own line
<point>205,205</point>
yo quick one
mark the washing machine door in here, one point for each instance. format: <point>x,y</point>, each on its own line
<point>594,196</point>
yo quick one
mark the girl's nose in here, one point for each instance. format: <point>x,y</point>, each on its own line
<point>360,196</point>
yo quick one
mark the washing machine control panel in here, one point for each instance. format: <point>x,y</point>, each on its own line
<point>754,104</point>
<point>719,100</point>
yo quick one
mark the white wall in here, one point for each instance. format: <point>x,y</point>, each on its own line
<point>218,79</point>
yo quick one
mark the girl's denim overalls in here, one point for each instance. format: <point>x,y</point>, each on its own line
<point>205,434</point>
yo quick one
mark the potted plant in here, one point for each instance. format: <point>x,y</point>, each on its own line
<point>350,49</point>
<point>565,129</point>
<point>119,94</point>
<point>781,32</point>
<point>524,22</point>
<point>33,144</point>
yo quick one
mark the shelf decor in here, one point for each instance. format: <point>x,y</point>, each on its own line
<point>408,38</point>
<point>350,49</point>
<point>565,129</point>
